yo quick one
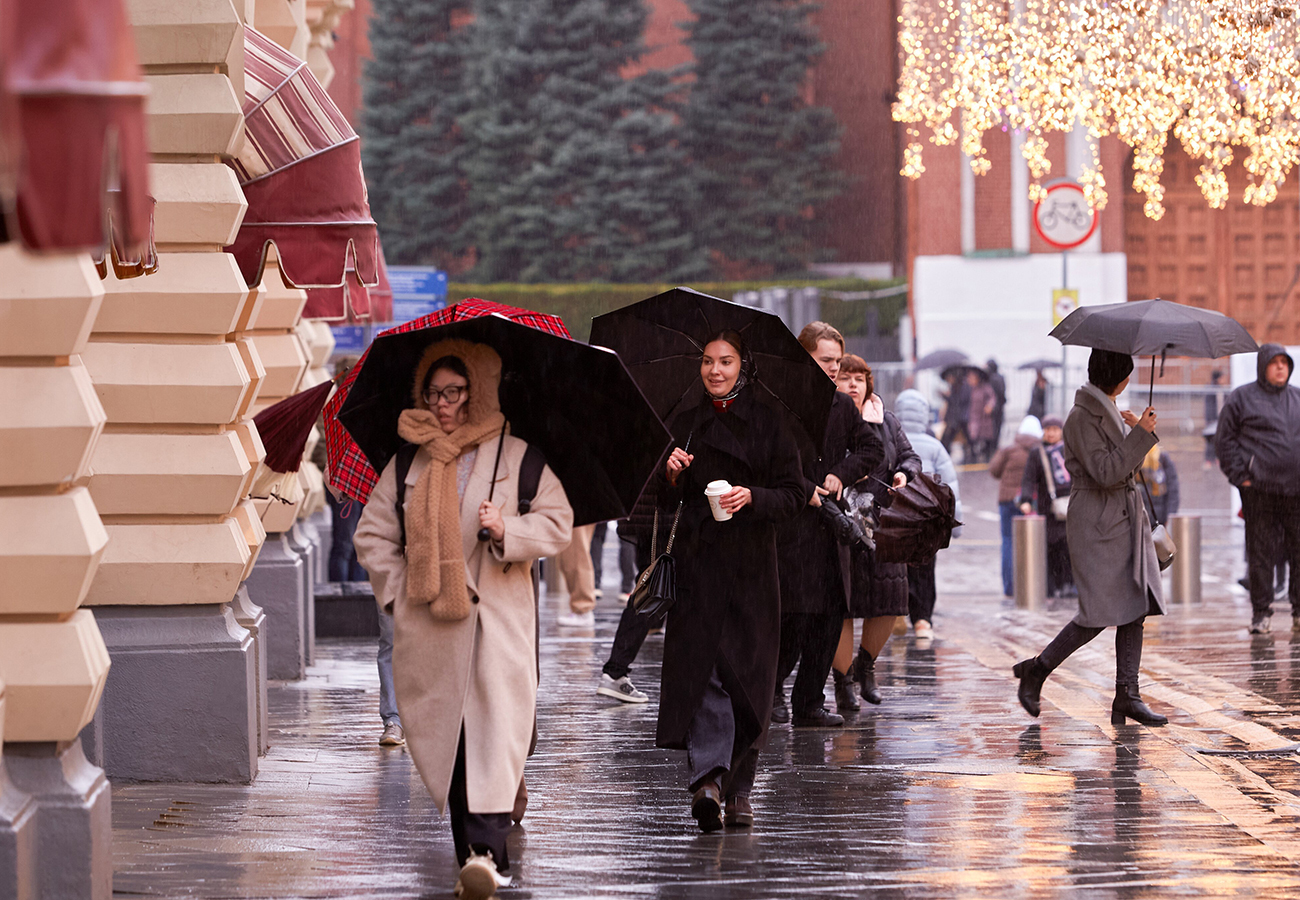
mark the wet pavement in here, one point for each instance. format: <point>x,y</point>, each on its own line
<point>947,789</point>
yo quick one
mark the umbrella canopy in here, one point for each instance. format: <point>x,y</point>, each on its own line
<point>284,428</point>
<point>300,169</point>
<point>350,471</point>
<point>1040,364</point>
<point>660,340</point>
<point>1155,327</point>
<point>575,403</point>
<point>942,359</point>
<point>918,524</point>
<point>961,369</point>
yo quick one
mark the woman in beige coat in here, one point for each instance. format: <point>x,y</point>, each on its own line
<point>464,658</point>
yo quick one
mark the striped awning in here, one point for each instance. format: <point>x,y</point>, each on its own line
<point>74,161</point>
<point>354,302</point>
<point>301,174</point>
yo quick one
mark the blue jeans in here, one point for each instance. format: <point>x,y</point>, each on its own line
<point>387,696</point>
<point>1007,511</point>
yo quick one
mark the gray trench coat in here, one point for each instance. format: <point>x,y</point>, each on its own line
<point>480,671</point>
<point>1107,529</point>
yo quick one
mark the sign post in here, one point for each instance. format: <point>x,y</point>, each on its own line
<point>1064,220</point>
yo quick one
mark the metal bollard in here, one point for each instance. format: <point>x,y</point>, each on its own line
<point>1186,570</point>
<point>1029,561</point>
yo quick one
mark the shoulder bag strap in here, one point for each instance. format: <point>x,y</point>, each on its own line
<point>1048,474</point>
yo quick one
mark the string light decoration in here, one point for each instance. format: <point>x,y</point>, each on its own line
<point>1221,76</point>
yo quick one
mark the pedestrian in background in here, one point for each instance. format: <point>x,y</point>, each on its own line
<point>956,413</point>
<point>1048,498</point>
<point>615,676</point>
<point>914,415</point>
<point>465,655</point>
<point>999,385</point>
<point>1258,443</point>
<point>1113,556</point>
<point>574,563</point>
<point>1211,416</point>
<point>813,575</point>
<point>1161,476</point>
<point>983,401</point>
<point>724,632</point>
<point>1038,396</point>
<point>1008,466</point>
<point>878,590</point>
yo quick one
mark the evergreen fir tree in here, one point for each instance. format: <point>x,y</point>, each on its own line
<point>574,172</point>
<point>411,147</point>
<point>760,154</point>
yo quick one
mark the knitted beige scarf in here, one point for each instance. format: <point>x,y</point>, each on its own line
<point>435,560</point>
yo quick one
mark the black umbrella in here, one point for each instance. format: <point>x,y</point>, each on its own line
<point>918,523</point>
<point>575,403</point>
<point>661,339</point>
<point>942,359</point>
<point>1150,327</point>
<point>1040,364</point>
<point>960,371</point>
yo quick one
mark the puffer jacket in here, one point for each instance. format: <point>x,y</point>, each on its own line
<point>1258,435</point>
<point>913,413</point>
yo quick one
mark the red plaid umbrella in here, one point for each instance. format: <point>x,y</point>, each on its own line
<point>349,470</point>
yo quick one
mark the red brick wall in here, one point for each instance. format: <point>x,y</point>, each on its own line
<point>937,211</point>
<point>351,49</point>
<point>993,194</point>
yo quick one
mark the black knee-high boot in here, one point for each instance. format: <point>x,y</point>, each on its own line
<point>1034,671</point>
<point>1128,660</point>
<point>864,670</point>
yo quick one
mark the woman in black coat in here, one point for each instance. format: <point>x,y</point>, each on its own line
<point>879,590</point>
<point>723,633</point>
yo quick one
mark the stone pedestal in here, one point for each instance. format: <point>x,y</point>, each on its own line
<point>276,585</point>
<point>181,699</point>
<point>253,619</point>
<point>17,841</point>
<point>321,530</point>
<point>303,546</point>
<point>72,827</point>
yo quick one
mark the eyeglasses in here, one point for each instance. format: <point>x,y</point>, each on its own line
<point>452,394</point>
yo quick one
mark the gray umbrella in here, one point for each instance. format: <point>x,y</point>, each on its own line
<point>942,359</point>
<point>1151,327</point>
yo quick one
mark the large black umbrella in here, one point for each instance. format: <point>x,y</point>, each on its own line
<point>661,339</point>
<point>942,359</point>
<point>1040,364</point>
<point>918,523</point>
<point>1151,327</point>
<point>574,402</point>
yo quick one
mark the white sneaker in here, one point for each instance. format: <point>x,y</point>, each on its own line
<point>923,630</point>
<point>479,878</point>
<point>622,689</point>
<point>577,620</point>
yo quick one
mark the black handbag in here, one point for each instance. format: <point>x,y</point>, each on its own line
<point>656,589</point>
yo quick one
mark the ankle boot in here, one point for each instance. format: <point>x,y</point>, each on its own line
<point>846,700</point>
<point>865,671</point>
<point>1032,673</point>
<point>1128,703</point>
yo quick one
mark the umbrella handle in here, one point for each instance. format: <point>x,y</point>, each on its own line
<point>483,534</point>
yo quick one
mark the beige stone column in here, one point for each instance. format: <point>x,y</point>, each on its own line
<point>177,377</point>
<point>53,662</point>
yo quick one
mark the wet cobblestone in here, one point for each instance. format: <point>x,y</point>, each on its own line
<point>946,790</point>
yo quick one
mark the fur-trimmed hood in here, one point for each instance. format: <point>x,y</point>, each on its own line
<point>481,362</point>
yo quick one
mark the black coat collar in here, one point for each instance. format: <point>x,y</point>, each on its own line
<point>712,430</point>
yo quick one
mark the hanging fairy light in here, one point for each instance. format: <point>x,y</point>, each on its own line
<point>1222,77</point>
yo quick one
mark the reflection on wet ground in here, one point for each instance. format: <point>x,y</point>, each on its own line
<point>947,789</point>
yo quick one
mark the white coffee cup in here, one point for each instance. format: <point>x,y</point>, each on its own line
<point>714,491</point>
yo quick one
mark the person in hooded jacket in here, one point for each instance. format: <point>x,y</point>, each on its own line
<point>465,616</point>
<point>1111,551</point>
<point>1258,445</point>
<point>914,415</point>
<point>1008,466</point>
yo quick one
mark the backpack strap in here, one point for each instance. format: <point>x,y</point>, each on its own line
<point>530,475</point>
<point>405,456</point>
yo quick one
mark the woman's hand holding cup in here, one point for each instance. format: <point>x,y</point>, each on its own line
<point>678,461</point>
<point>735,499</point>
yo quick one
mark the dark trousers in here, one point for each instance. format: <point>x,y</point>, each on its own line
<point>1272,536</point>
<point>479,832</point>
<point>920,592</point>
<point>1128,648</point>
<point>810,640</point>
<point>344,516</point>
<point>950,435</point>
<point>1059,573</point>
<point>632,630</point>
<point>598,550</point>
<point>711,750</point>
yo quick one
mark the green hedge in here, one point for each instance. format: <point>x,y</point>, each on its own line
<point>578,304</point>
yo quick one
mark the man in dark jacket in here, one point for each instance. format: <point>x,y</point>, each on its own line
<point>813,599</point>
<point>1258,444</point>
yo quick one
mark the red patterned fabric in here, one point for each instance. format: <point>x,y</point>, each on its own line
<point>300,169</point>
<point>349,470</point>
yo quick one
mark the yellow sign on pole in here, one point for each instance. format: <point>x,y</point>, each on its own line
<point>1064,302</point>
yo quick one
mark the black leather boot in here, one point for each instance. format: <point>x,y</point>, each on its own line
<point>1128,703</point>
<point>846,699</point>
<point>1032,673</point>
<point>864,669</point>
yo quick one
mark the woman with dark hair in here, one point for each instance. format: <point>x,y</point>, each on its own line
<point>879,589</point>
<point>723,633</point>
<point>1111,553</point>
<point>464,658</point>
